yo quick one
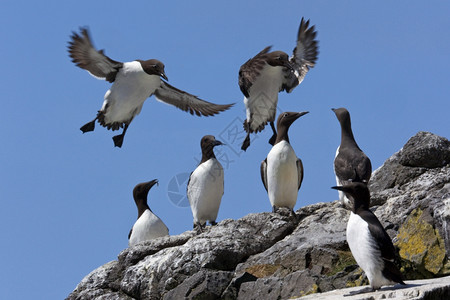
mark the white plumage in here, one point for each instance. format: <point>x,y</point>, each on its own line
<point>262,103</point>
<point>205,190</point>
<point>282,175</point>
<point>342,196</point>
<point>129,92</point>
<point>147,227</point>
<point>364,250</point>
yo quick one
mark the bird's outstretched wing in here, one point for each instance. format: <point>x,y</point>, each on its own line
<point>85,56</point>
<point>187,102</point>
<point>251,70</point>
<point>304,55</point>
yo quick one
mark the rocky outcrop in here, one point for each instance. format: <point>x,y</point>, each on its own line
<point>278,256</point>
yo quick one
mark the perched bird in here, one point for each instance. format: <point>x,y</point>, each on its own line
<point>282,170</point>
<point>369,243</point>
<point>262,77</point>
<point>205,185</point>
<point>350,163</point>
<point>133,82</point>
<point>148,226</point>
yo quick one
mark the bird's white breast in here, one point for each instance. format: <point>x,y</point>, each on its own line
<point>339,182</point>
<point>282,175</point>
<point>262,104</point>
<point>365,251</point>
<point>205,190</point>
<point>147,227</point>
<point>130,89</point>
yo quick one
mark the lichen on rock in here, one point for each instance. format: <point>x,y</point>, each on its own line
<point>421,244</point>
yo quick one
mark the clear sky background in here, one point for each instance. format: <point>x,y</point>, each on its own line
<point>66,198</point>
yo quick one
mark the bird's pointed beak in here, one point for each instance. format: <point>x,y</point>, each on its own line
<point>339,188</point>
<point>302,113</point>
<point>151,183</point>
<point>298,115</point>
<point>163,75</point>
<point>217,143</point>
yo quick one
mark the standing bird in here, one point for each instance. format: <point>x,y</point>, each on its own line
<point>282,170</point>
<point>350,163</point>
<point>369,243</point>
<point>133,82</point>
<point>148,226</point>
<point>262,77</point>
<point>205,185</point>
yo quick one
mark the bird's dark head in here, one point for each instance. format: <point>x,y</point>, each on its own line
<point>284,121</point>
<point>153,67</point>
<point>279,58</point>
<point>287,118</point>
<point>357,192</point>
<point>207,143</point>
<point>141,190</point>
<point>342,115</point>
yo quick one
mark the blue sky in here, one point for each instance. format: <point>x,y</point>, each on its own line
<point>66,197</point>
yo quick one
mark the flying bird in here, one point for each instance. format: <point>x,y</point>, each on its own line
<point>350,162</point>
<point>282,170</point>
<point>132,83</point>
<point>262,77</point>
<point>206,185</point>
<point>369,243</point>
<point>148,226</point>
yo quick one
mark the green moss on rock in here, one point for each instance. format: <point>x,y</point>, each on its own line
<point>345,259</point>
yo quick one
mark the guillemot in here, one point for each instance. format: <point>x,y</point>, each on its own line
<point>148,226</point>
<point>262,77</point>
<point>369,243</point>
<point>282,170</point>
<point>206,185</point>
<point>133,82</point>
<point>350,162</point>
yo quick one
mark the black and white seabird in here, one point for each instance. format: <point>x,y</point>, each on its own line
<point>148,226</point>
<point>133,82</point>
<point>262,77</point>
<point>205,185</point>
<point>350,163</point>
<point>282,170</point>
<point>369,243</point>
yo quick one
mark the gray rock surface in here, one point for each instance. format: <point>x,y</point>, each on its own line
<point>426,289</point>
<point>278,256</point>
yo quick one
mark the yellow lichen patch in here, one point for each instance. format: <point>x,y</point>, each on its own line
<point>314,290</point>
<point>362,280</point>
<point>446,268</point>
<point>420,243</point>
<point>261,271</point>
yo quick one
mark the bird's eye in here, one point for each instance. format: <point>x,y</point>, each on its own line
<point>285,115</point>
